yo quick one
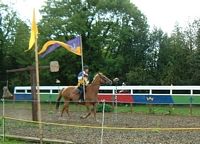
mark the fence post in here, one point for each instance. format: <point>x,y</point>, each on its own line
<point>3,120</point>
<point>102,124</point>
<point>131,105</point>
<point>116,104</point>
<point>191,101</point>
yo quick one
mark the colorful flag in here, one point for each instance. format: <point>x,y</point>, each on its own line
<point>34,32</point>
<point>73,46</point>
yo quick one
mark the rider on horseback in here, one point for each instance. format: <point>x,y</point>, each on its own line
<point>83,81</point>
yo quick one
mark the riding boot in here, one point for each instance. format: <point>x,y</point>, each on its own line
<point>81,97</point>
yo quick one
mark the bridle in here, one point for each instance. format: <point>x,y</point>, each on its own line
<point>103,78</point>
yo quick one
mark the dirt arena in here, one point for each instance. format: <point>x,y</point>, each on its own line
<point>93,135</point>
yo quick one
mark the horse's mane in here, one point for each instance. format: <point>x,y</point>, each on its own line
<point>96,76</point>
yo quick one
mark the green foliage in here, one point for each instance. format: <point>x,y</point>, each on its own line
<point>108,108</point>
<point>12,42</point>
<point>108,28</point>
<point>116,41</point>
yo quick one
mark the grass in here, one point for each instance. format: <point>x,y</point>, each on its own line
<point>11,141</point>
<point>182,110</point>
<point>137,108</point>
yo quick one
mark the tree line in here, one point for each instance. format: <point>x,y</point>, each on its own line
<point>116,40</point>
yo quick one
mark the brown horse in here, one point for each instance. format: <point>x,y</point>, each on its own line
<point>71,94</point>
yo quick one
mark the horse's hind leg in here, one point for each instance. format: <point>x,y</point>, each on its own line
<point>65,108</point>
<point>88,114</point>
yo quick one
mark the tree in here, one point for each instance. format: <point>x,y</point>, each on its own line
<point>174,60</point>
<point>7,21</point>
<point>114,33</point>
<point>193,32</point>
<point>156,55</point>
<point>13,42</point>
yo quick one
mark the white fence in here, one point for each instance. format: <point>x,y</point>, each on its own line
<point>142,90</point>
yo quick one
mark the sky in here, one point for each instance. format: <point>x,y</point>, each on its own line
<point>164,14</point>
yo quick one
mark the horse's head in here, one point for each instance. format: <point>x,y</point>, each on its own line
<point>102,79</point>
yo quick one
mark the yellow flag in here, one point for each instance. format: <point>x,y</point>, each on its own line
<point>34,32</point>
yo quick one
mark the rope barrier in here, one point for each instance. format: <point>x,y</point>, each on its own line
<point>109,127</point>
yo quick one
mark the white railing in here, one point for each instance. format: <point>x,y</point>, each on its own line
<point>27,89</point>
<point>141,90</point>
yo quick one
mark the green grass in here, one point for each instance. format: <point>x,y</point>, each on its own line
<point>11,141</point>
<point>183,110</point>
<point>145,109</point>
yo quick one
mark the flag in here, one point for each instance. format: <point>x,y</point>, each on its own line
<point>34,32</point>
<point>73,46</point>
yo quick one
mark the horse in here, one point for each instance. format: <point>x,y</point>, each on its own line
<point>71,94</point>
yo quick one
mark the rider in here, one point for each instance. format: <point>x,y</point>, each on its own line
<point>83,81</point>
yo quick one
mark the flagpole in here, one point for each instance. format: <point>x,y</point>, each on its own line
<point>38,89</point>
<point>82,64</point>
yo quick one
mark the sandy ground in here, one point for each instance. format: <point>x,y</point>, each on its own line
<point>93,136</point>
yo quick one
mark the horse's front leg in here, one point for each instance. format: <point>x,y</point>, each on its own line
<point>94,111</point>
<point>88,114</point>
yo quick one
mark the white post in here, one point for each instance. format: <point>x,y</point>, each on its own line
<point>116,103</point>
<point>150,91</point>
<point>191,101</point>
<point>102,124</point>
<point>3,119</point>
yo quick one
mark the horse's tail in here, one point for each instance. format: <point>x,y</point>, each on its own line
<point>58,99</point>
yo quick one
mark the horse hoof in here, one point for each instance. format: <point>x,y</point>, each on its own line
<point>61,118</point>
<point>98,121</point>
<point>82,117</point>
